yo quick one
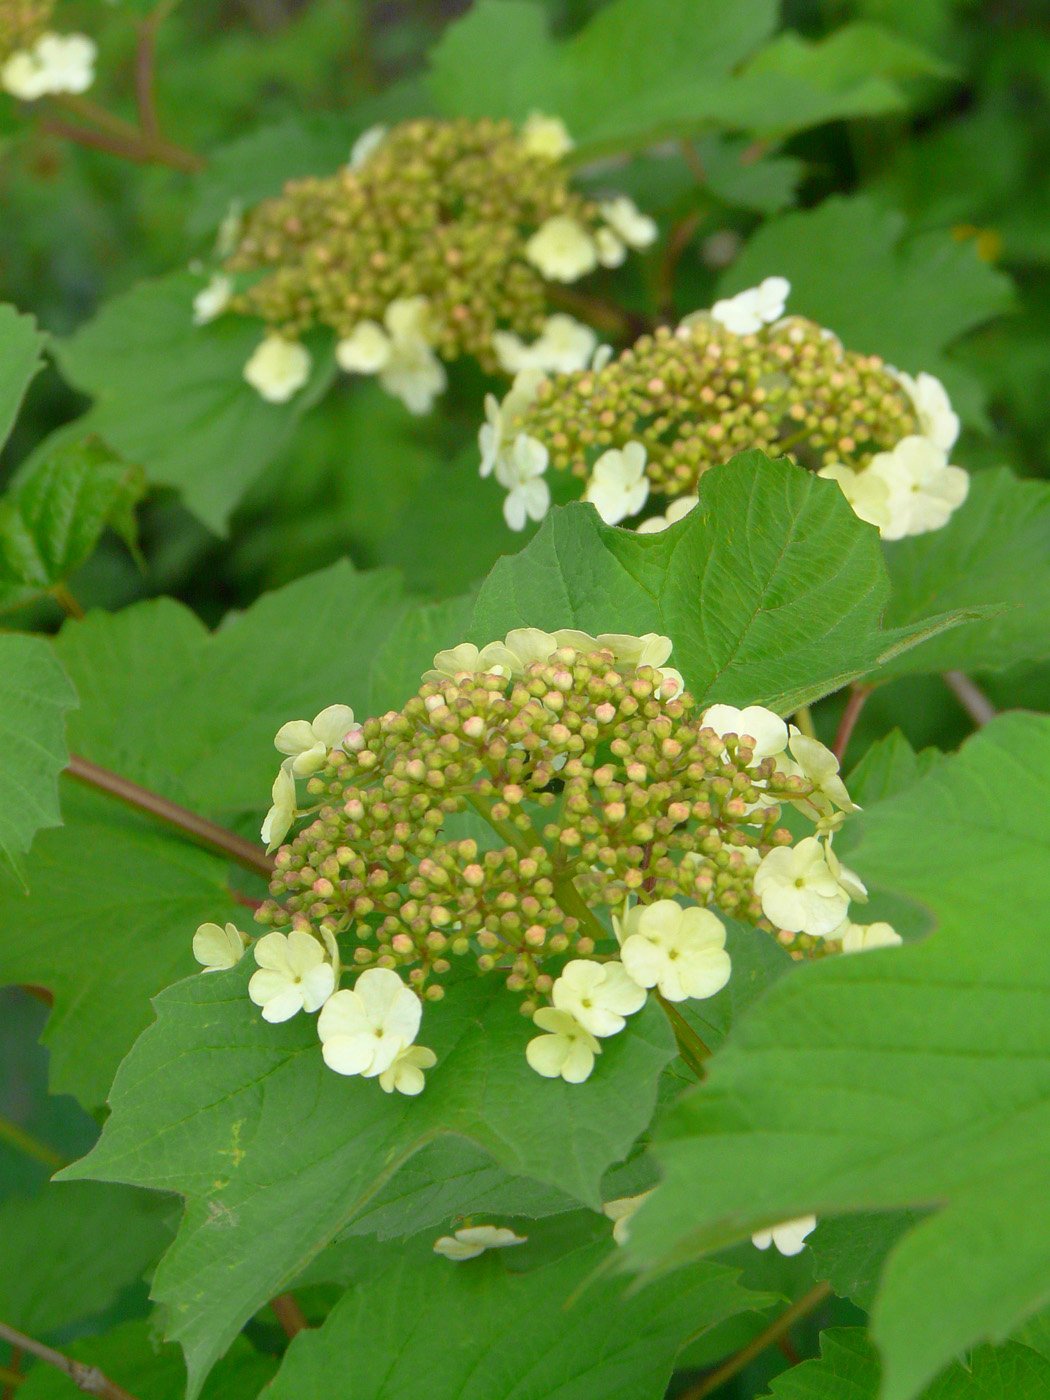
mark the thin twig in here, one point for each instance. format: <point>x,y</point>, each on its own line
<point>25,1142</point>
<point>204,833</point>
<point>677,241</point>
<point>63,596</point>
<point>971,697</point>
<point>145,100</point>
<point>767,1337</point>
<point>88,1378</point>
<point>289,1314</point>
<point>858,698</point>
<point>140,150</point>
<point>11,1378</point>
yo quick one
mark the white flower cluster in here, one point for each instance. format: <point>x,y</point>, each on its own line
<point>54,63</point>
<point>564,346</point>
<point>564,251</point>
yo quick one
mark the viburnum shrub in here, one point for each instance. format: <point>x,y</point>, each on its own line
<point>430,913</point>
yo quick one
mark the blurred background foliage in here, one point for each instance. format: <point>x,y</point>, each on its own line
<point>265,88</point>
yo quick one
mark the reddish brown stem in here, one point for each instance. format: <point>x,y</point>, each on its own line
<point>88,1378</point>
<point>140,150</point>
<point>289,1314</point>
<point>858,698</point>
<point>198,829</point>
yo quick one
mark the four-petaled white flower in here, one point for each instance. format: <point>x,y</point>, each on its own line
<point>54,63</point>
<point>676,511</point>
<point>399,351</point>
<point>938,421</point>
<point>800,891</point>
<point>547,137</point>
<point>567,1051</point>
<point>212,300</point>
<point>618,486</point>
<point>562,249</point>
<point>868,492</point>
<point>860,938</point>
<point>496,435</point>
<point>789,1236</point>
<point>521,475</point>
<point>680,951</point>
<point>816,763</point>
<point>405,1074</point>
<point>564,345</point>
<point>473,1240</point>
<point>281,815</point>
<point>650,649</point>
<point>364,1031</point>
<point>217,948</point>
<point>628,222</point>
<point>295,974</point>
<point>749,311</point>
<point>368,142</point>
<point>621,1211</point>
<point>924,489</point>
<point>611,250</point>
<point>309,742</point>
<point>278,368</point>
<point>465,659</point>
<point>599,996</point>
<point>768,730</point>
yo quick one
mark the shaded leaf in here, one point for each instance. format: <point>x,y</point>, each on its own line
<point>20,347</point>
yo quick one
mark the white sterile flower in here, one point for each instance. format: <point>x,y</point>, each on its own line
<point>868,492</point>
<point>562,249</point>
<point>228,234</point>
<point>54,63</point>
<point>368,142</point>
<point>819,766</point>
<point>938,421</point>
<point>473,1240</point>
<point>217,948</point>
<point>308,742</point>
<point>278,368</point>
<point>628,222</point>
<point>861,938</point>
<point>529,644</point>
<point>847,878</point>
<point>768,730</point>
<point>789,1236</point>
<point>281,815</point>
<point>651,649</point>
<point>620,1213</point>
<point>924,488</point>
<point>799,890</point>
<point>564,346</point>
<point>295,974</point>
<point>676,511</point>
<point>496,435</point>
<point>494,659</point>
<point>749,311</point>
<point>415,375</point>
<point>365,350</point>
<point>618,486</point>
<point>545,136</point>
<point>364,1031</point>
<point>399,351</point>
<point>601,358</point>
<point>611,250</point>
<point>212,300</point>
<point>679,951</point>
<point>405,1074</point>
<point>521,475</point>
<point>600,996</point>
<point>567,1051</point>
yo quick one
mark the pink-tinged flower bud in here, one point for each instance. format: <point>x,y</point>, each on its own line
<point>474,876</point>
<point>535,935</point>
<point>434,992</point>
<point>354,740</point>
<point>605,713</point>
<point>474,727</point>
<point>402,943</point>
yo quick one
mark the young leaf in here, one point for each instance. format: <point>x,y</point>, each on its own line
<point>771,589</point>
<point>20,346</point>
<point>277,1154</point>
<point>432,1329</point>
<point>172,395</point>
<point>906,1077</point>
<point>35,694</point>
<point>51,519</point>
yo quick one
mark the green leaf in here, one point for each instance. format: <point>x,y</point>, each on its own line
<point>771,589</point>
<point>848,1369</point>
<point>431,1329</point>
<point>994,550</point>
<point>277,1154</point>
<point>854,268</point>
<point>35,694</point>
<point>851,1250</point>
<point>904,1078</point>
<point>51,519</point>
<point>889,766</point>
<point>130,1356</point>
<point>66,1253</point>
<point>20,346</point>
<point>171,395</point>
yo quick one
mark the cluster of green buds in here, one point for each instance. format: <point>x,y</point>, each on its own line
<point>438,239</point>
<point>552,810</point>
<point>742,375</point>
<point>34,61</point>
